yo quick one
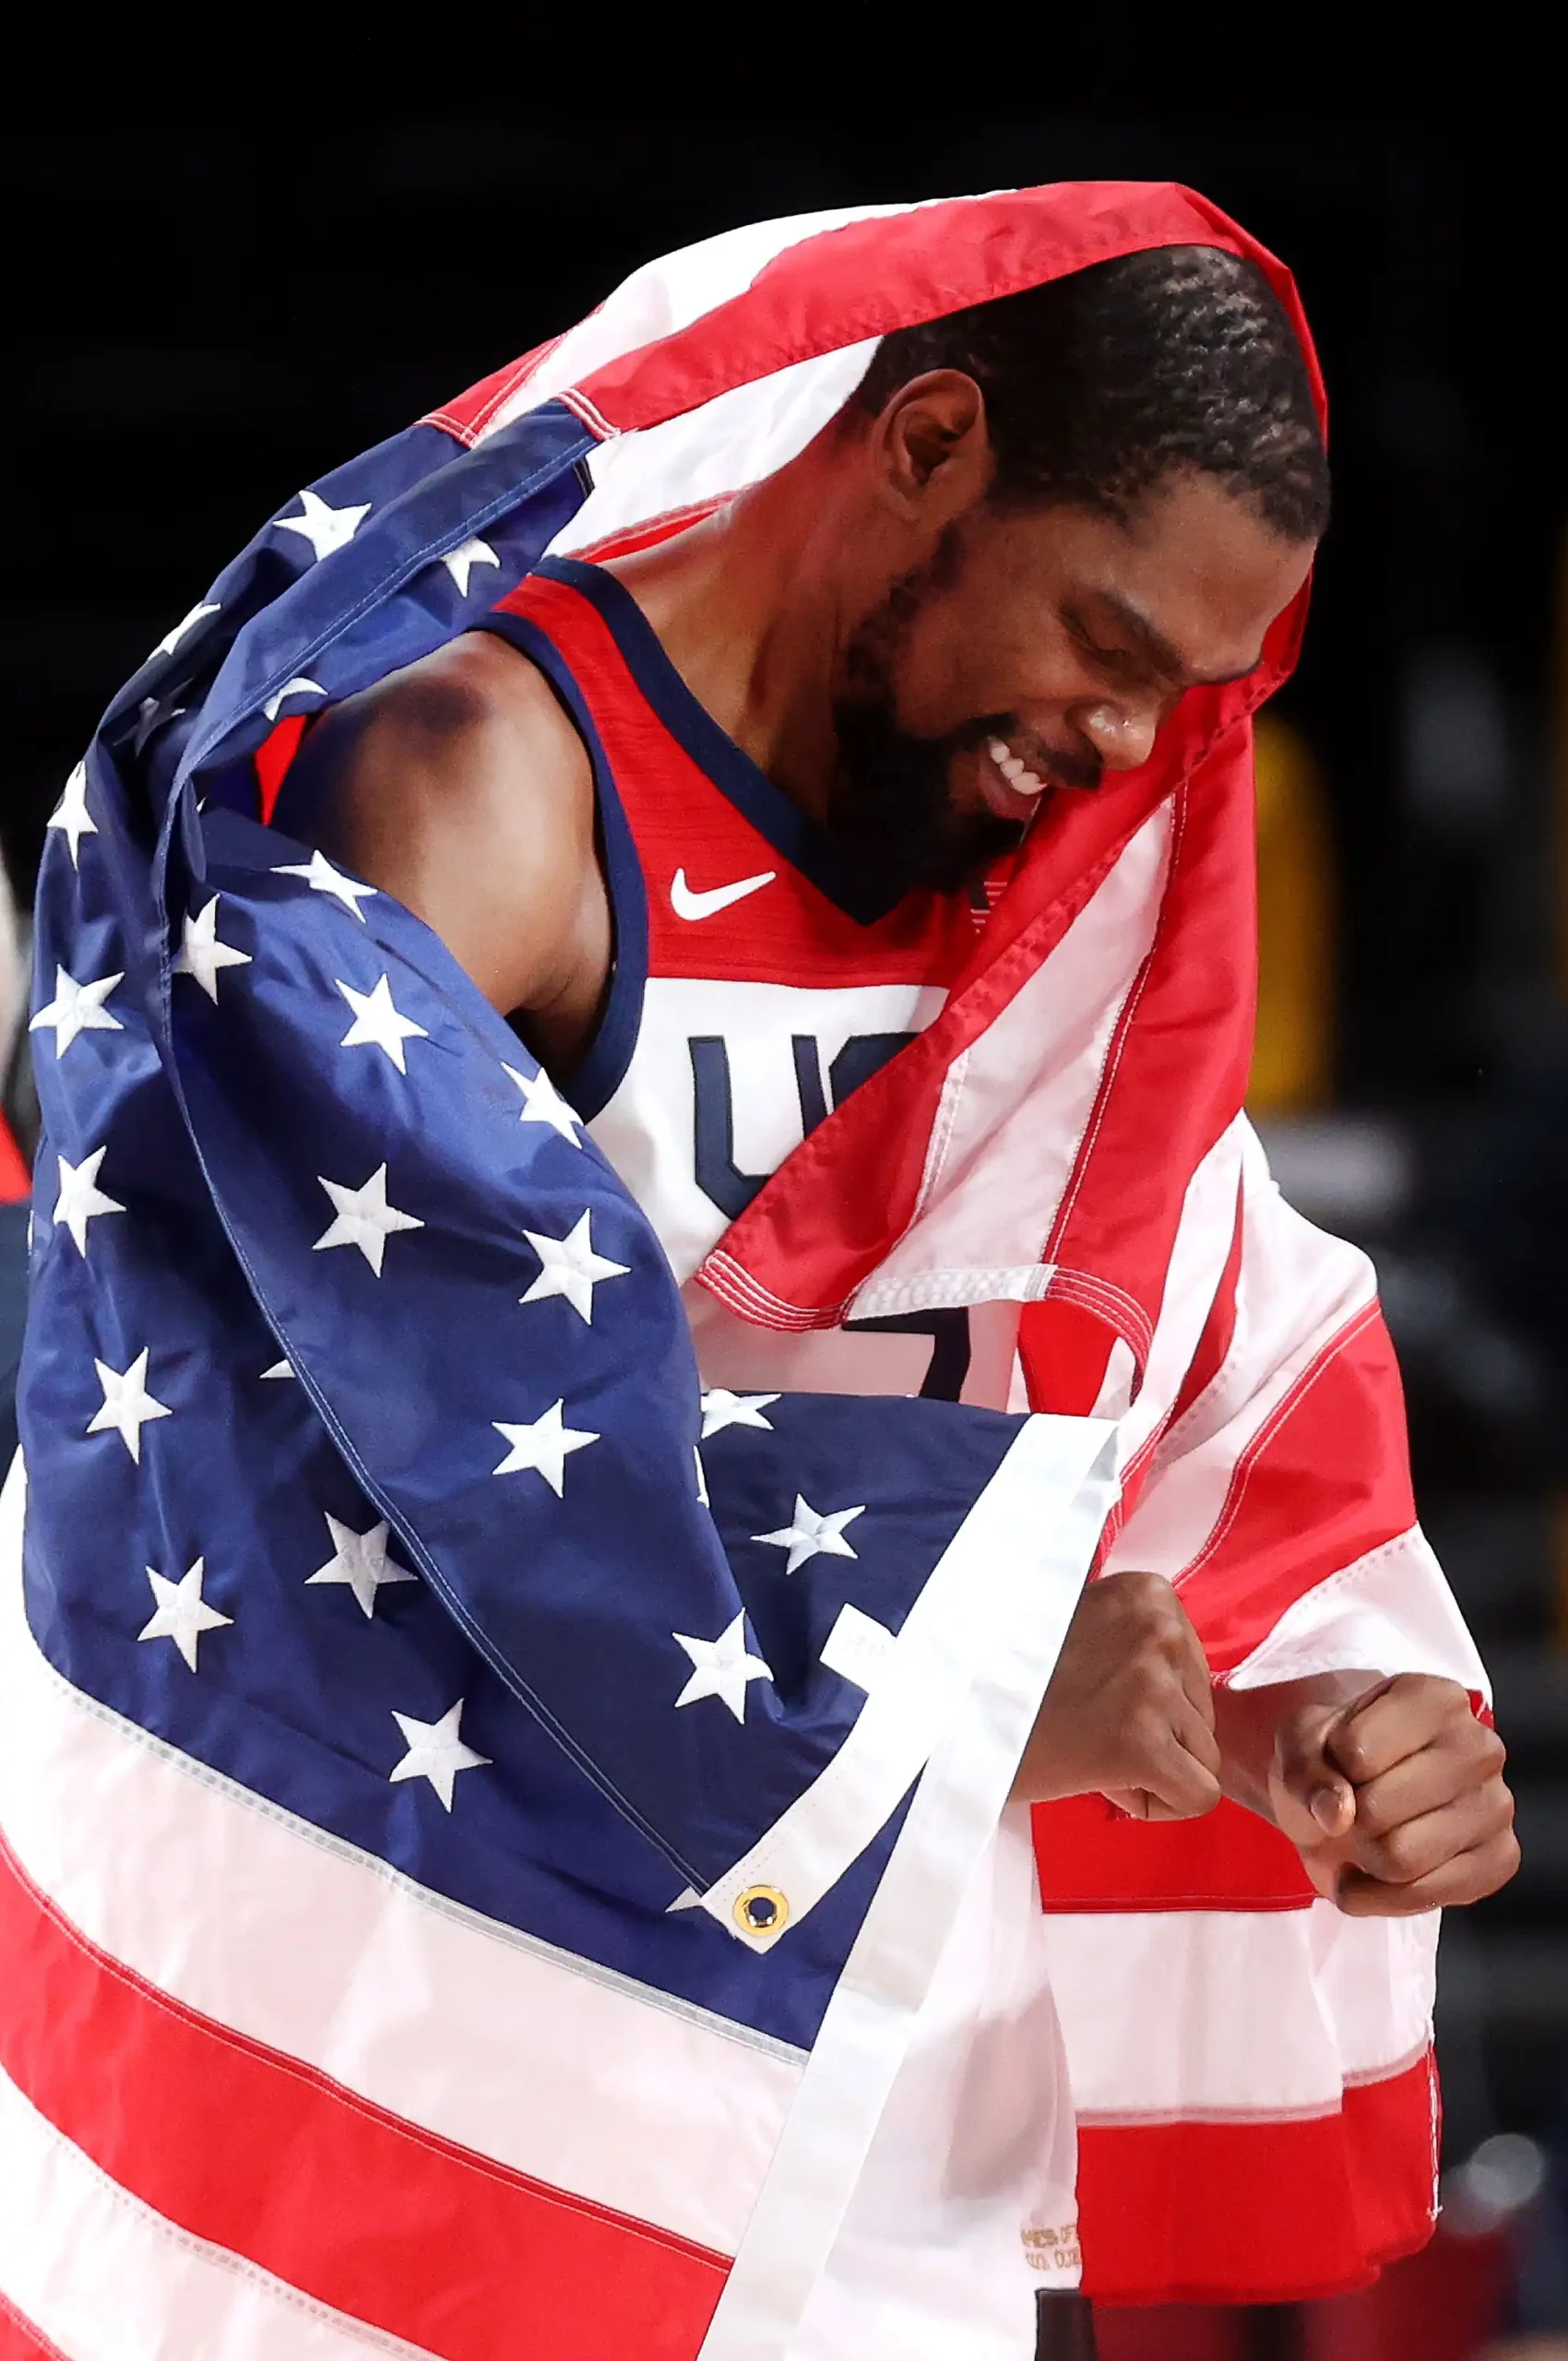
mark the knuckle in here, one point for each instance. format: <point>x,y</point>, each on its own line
<point>1160,1689</point>
<point>1152,1598</point>
<point>1374,1816</point>
<point>1399,1854</point>
<point>1146,1729</point>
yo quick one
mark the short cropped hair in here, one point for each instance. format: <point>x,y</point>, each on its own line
<point>1100,386</point>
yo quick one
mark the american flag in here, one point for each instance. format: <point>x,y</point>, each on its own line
<point>481,1815</point>
<point>462,1772</point>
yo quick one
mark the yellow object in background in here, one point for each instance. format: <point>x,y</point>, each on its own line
<point>1293,1060</point>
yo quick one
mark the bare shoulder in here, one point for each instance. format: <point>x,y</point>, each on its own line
<point>460,786</point>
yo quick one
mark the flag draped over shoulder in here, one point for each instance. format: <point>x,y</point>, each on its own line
<point>484,1815</point>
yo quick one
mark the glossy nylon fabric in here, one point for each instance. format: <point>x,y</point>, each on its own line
<point>686,348</point>
<point>1293,1423</point>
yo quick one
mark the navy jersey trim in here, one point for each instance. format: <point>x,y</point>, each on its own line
<point>597,1074</point>
<point>788,829</point>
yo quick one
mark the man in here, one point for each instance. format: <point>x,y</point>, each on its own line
<point>987,582</point>
<point>708,819</point>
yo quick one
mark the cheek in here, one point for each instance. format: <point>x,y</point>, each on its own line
<point>963,659</point>
<point>939,676</point>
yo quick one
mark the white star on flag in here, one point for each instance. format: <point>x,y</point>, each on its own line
<point>378,1023</point>
<point>571,1268</point>
<point>364,1217</point>
<point>721,1409</point>
<point>322,878</point>
<point>298,687</point>
<point>325,528</point>
<point>77,1008</point>
<point>279,1369</point>
<point>71,815</point>
<point>435,1751</point>
<point>460,562</point>
<point>202,956</point>
<point>81,1199</point>
<point>543,1448</point>
<point>360,1561</point>
<point>127,1405</point>
<point>180,1613</point>
<point>542,1103</point>
<point>722,1667</point>
<point>171,639</point>
<point>811,1534</point>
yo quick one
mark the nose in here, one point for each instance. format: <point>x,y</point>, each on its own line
<point>1122,736</point>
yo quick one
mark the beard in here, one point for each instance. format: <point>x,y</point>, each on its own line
<point>890,805</point>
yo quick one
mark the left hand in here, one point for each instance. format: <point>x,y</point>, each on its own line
<point>1394,1801</point>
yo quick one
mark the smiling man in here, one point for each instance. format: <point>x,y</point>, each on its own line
<point>1035,524</point>
<point>766,779</point>
<point>978,594</point>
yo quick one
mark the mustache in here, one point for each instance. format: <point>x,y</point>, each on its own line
<point>1058,765</point>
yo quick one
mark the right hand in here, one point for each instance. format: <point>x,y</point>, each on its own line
<point>1129,1710</point>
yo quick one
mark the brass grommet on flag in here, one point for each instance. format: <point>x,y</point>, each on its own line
<point>761,1910</point>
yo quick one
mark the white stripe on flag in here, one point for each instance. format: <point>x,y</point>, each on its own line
<point>1236,2015</point>
<point>1390,1611</point>
<point>669,294</point>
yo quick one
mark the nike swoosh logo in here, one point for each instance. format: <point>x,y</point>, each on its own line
<point>688,905</point>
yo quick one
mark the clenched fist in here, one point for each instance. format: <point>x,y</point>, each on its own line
<point>1129,1710</point>
<point>1394,1800</point>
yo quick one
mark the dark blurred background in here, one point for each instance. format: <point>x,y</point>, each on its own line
<point>208,313</point>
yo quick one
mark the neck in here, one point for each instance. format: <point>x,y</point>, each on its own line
<point>750,608</point>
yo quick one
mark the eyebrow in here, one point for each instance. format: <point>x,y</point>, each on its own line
<point>1153,644</point>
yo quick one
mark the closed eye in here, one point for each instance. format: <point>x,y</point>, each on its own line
<point>1122,663</point>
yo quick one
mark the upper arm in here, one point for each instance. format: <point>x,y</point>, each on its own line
<point>459,786</point>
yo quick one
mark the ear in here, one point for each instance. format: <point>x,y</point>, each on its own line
<point>931,447</point>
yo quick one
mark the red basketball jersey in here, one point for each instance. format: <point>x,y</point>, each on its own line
<point>759,977</point>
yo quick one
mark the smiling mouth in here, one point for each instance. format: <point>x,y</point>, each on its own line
<point>1008,784</point>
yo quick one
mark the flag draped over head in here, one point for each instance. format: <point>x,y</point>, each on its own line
<point>482,1815</point>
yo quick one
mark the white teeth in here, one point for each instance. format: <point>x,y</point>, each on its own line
<point>1014,769</point>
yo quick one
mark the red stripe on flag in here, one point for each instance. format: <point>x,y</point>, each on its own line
<point>273,757</point>
<point>19,2340</point>
<point>471,413</point>
<point>261,2155</point>
<point>1093,1856</point>
<point>1218,1329</point>
<point>1064,1348</point>
<point>863,278</point>
<point>1259,2213</point>
<point>15,1179</point>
